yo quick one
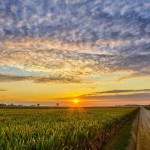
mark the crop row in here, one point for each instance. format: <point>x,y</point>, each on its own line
<point>57,129</point>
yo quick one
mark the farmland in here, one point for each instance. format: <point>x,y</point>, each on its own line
<point>60,128</point>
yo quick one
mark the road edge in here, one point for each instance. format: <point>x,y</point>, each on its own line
<point>133,138</point>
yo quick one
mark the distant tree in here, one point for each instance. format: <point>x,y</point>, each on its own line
<point>38,105</point>
<point>12,104</point>
<point>57,104</point>
<point>2,105</point>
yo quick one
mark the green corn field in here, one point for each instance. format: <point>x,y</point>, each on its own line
<point>60,128</point>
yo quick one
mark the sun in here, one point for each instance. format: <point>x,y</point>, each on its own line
<point>76,101</point>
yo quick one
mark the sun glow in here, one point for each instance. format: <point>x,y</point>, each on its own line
<point>76,101</point>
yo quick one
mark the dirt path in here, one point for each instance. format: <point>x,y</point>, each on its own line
<point>143,132</point>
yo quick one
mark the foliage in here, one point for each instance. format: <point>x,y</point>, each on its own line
<point>120,141</point>
<point>61,128</point>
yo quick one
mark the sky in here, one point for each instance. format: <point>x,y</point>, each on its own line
<point>96,51</point>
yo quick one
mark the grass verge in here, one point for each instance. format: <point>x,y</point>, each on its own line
<point>120,141</point>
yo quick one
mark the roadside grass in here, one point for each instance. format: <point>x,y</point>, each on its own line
<point>147,107</point>
<point>120,141</point>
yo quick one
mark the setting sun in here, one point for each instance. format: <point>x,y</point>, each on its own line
<point>76,101</point>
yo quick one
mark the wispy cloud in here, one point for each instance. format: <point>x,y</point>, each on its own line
<point>113,96</point>
<point>38,79</point>
<point>8,78</point>
<point>118,95</point>
<point>3,90</point>
<point>122,91</point>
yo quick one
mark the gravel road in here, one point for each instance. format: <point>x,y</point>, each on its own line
<point>143,132</point>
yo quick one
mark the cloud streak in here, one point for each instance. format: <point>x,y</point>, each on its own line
<point>3,90</point>
<point>38,79</point>
<point>118,95</point>
<point>114,96</point>
<point>122,91</point>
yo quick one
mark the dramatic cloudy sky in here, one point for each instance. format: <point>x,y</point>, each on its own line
<point>56,50</point>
